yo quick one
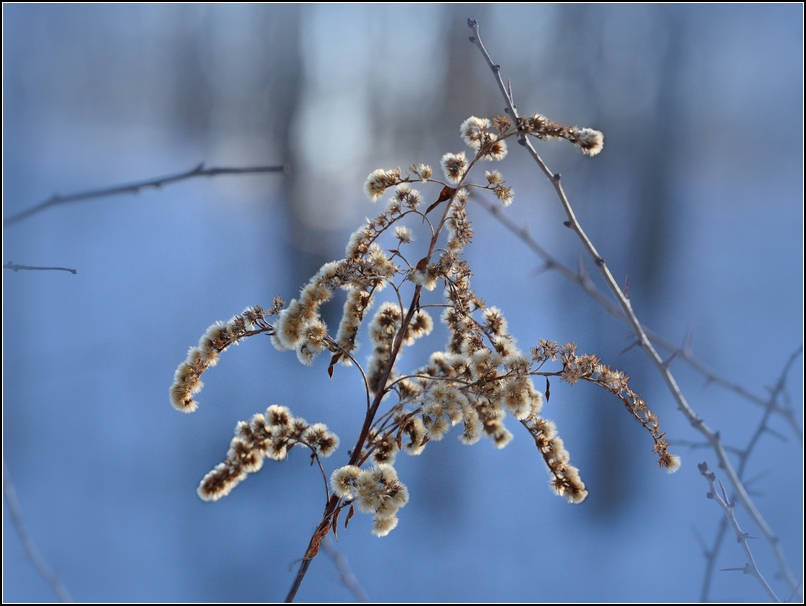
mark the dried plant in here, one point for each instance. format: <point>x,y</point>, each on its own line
<point>477,377</point>
<point>474,380</point>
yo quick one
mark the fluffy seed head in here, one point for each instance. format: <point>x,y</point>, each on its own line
<point>475,131</point>
<point>454,166</point>
<point>379,180</point>
<point>590,141</point>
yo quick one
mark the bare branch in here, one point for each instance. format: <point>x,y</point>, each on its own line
<point>15,267</point>
<point>346,574</point>
<point>744,455</point>
<point>582,279</point>
<point>626,306</point>
<point>15,511</point>
<point>722,500</point>
<point>133,188</point>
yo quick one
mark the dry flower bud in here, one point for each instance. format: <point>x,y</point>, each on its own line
<point>474,131</point>
<point>590,141</point>
<point>493,177</point>
<point>504,193</point>
<point>343,480</point>
<point>501,123</point>
<point>473,429</point>
<point>403,234</point>
<point>383,526</point>
<point>414,430</point>
<point>406,196</point>
<point>494,150</point>
<point>423,171</point>
<point>453,167</point>
<point>279,416</point>
<point>379,180</point>
<point>220,482</point>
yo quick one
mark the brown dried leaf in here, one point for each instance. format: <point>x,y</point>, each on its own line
<point>334,523</point>
<point>350,514</point>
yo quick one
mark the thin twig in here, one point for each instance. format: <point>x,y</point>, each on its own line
<point>15,267</point>
<point>28,544</point>
<point>696,421</point>
<point>744,456</point>
<point>582,279</point>
<point>727,506</point>
<point>133,188</point>
<point>346,574</point>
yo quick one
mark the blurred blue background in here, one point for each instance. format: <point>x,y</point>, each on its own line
<point>697,197</point>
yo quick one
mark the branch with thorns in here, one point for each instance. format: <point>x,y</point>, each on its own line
<point>721,498</point>
<point>743,455</point>
<point>588,142</point>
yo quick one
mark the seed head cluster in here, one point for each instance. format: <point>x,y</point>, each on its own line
<point>589,141</point>
<point>376,491</point>
<point>187,378</point>
<point>473,381</point>
<point>266,436</point>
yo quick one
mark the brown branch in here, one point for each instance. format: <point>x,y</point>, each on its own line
<point>324,526</point>
<point>135,187</point>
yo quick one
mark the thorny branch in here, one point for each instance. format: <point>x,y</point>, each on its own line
<point>744,456</point>
<point>582,279</point>
<point>643,340</point>
<point>135,187</point>
<point>721,498</point>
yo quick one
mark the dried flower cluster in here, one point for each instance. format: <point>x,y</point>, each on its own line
<point>375,490</point>
<point>271,435</point>
<point>187,379</point>
<point>475,380</point>
<point>589,141</point>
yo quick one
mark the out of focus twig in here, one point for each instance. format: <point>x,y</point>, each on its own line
<point>345,572</point>
<point>15,511</point>
<point>15,267</point>
<point>721,498</point>
<point>744,455</point>
<point>135,187</point>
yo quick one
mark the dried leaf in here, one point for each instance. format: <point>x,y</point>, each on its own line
<point>336,357</point>
<point>334,523</point>
<point>313,549</point>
